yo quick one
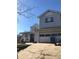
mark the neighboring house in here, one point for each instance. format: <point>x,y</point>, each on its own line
<point>49,26</point>
<point>18,39</point>
<point>25,36</point>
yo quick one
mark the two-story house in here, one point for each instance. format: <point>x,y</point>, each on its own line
<point>49,26</point>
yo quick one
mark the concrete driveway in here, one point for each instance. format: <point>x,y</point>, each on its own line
<point>40,51</point>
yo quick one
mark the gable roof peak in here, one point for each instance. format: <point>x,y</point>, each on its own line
<point>54,11</point>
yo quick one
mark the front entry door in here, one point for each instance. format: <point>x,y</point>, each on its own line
<point>31,37</point>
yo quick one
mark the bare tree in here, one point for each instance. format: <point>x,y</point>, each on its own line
<point>23,9</point>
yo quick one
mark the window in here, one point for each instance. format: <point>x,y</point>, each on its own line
<point>47,35</point>
<point>49,19</point>
<point>46,20</point>
<point>41,35</point>
<point>54,34</point>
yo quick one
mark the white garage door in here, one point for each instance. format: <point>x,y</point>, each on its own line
<point>44,39</point>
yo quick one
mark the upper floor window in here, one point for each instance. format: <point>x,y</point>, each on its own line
<point>49,19</point>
